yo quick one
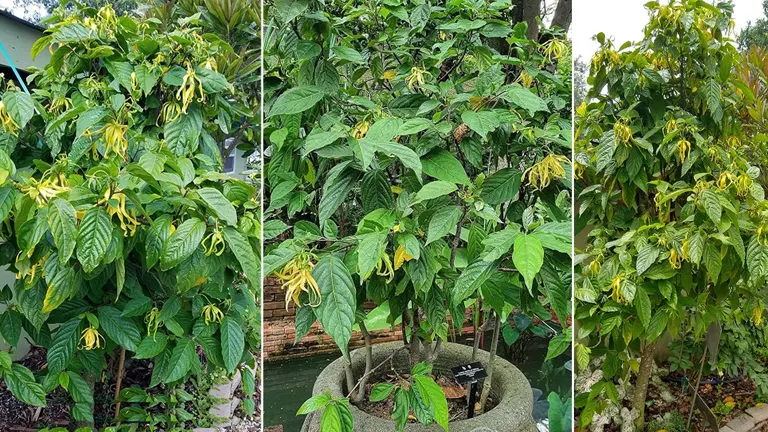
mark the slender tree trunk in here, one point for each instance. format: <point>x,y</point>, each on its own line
<point>532,11</point>
<point>415,351</point>
<point>358,397</point>
<point>350,376</point>
<point>563,15</point>
<point>478,331</point>
<point>641,385</point>
<point>494,346</point>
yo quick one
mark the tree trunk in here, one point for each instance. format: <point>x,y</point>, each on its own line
<point>641,386</point>
<point>563,15</point>
<point>358,397</point>
<point>415,345</point>
<point>494,346</point>
<point>532,11</point>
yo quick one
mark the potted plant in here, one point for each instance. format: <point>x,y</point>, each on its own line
<point>126,238</point>
<point>428,182</point>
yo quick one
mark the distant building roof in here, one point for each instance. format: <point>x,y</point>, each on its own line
<point>22,21</point>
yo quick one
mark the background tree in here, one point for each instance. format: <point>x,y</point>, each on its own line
<point>755,35</point>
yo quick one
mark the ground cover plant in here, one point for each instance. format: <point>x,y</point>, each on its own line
<point>671,188</point>
<point>416,158</point>
<point>127,241</point>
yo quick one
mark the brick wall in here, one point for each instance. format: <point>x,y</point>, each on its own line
<point>279,329</point>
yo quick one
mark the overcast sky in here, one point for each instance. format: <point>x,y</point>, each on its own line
<point>624,20</point>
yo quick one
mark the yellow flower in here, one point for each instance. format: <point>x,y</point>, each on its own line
<point>542,173</point>
<point>734,141</point>
<point>190,86</point>
<point>555,49</point>
<point>670,127</point>
<point>8,123</point>
<point>215,241</point>
<point>525,79</point>
<point>43,191</point>
<point>210,64</point>
<point>684,147</point>
<point>757,314</point>
<point>397,190</point>
<point>297,277</point>
<point>384,267</point>
<point>725,180</point>
<point>616,287</point>
<point>211,313</point>
<point>361,129</point>
<point>388,75</point>
<point>622,132</point>
<point>594,266</point>
<point>128,221</point>
<point>674,259</point>
<point>401,257</point>
<point>743,185</point>
<point>117,143</point>
<point>170,112</point>
<point>90,339</point>
<point>152,319</point>
<point>416,78</point>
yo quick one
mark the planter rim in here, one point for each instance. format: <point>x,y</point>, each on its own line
<point>512,413</point>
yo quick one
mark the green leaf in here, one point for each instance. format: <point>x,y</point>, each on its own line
<point>526,99</point>
<point>23,386</point>
<point>334,193</point>
<point>558,345</point>
<point>63,223</point>
<point>434,398</point>
<point>376,192</point>
<point>433,190</point>
<point>482,122</point>
<point>288,10</point>
<point>646,257</point>
<point>182,243</point>
<point>336,311</point>
<point>501,186</point>
<point>93,238</point>
<point>712,92</point>
<point>314,403</point>
<point>408,157</point>
<point>7,197</point>
<point>296,100</point>
<point>182,136</point>
<point>244,253</point>
<point>151,346</point>
<point>712,206</point>
<point>443,165</point>
<point>528,256</point>
<point>498,243</point>
<point>443,222</point>
<point>657,325</point>
<point>318,139</point>
<point>82,412</point>
<point>60,289</point>
<point>119,328</point>
<point>79,389</point>
<point>402,409</point>
<point>349,54</point>
<point>232,343</point>
<point>369,251</point>
<point>219,204</point>
<point>157,236</point>
<point>470,280</point>
<point>643,306</point>
<point>10,326</point>
<point>181,361</point>
<point>414,126</point>
<point>381,391</point>
<point>712,260</point>
<point>20,106</point>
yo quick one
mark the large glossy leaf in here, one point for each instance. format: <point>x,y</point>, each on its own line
<point>443,165</point>
<point>501,186</point>
<point>443,222</point>
<point>183,134</point>
<point>337,309</point>
<point>296,100</point>
<point>64,344</point>
<point>119,328</point>
<point>219,204</point>
<point>182,358</point>
<point>482,122</point>
<point>182,243</point>
<point>528,256</point>
<point>93,238</point>
<point>63,223</point>
<point>157,236</point>
<point>23,386</point>
<point>243,251</point>
<point>232,343</point>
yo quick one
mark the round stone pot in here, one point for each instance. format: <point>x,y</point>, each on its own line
<point>510,390</point>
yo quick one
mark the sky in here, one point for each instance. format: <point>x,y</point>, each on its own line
<point>623,20</point>
<point>10,5</point>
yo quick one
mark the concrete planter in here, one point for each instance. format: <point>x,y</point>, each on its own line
<point>513,413</point>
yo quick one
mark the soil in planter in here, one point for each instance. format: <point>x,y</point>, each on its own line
<point>456,395</point>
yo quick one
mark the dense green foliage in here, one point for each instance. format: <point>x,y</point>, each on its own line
<point>117,221</point>
<point>672,192</point>
<point>756,33</point>
<point>416,159</point>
